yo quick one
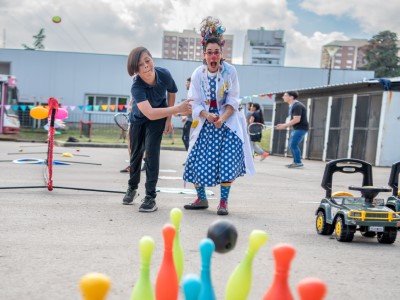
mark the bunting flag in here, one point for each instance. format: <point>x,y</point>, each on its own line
<point>122,107</point>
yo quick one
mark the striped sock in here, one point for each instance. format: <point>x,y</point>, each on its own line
<point>225,189</point>
<point>201,192</point>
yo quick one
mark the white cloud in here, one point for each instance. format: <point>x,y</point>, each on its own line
<point>372,15</point>
<point>117,26</point>
<point>306,51</point>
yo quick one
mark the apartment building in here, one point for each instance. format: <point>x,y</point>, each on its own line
<point>186,45</point>
<point>264,47</point>
<point>348,55</point>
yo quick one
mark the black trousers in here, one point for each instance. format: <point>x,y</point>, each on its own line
<point>146,137</point>
<point>186,134</point>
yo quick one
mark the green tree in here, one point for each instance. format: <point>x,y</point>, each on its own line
<point>38,41</point>
<point>381,55</point>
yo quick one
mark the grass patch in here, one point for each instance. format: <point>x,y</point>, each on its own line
<point>107,135</point>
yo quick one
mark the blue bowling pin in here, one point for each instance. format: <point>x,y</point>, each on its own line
<point>191,285</point>
<point>207,247</point>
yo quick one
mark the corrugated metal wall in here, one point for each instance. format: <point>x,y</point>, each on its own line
<point>343,137</point>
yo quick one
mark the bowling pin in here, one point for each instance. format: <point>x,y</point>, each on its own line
<point>191,285</point>
<point>283,254</point>
<point>207,248</point>
<point>311,289</point>
<point>239,282</point>
<point>176,217</point>
<point>94,286</point>
<point>167,279</point>
<point>143,288</point>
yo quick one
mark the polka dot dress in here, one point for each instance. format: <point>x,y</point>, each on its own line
<point>217,156</point>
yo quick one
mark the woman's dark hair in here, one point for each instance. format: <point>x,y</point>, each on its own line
<point>133,59</point>
<point>258,109</point>
<point>294,94</point>
<point>212,40</point>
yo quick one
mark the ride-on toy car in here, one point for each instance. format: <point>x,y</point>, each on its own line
<point>345,214</point>
<point>393,201</point>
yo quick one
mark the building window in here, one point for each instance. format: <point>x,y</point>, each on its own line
<point>107,104</point>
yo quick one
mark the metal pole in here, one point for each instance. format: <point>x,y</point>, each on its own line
<point>330,69</point>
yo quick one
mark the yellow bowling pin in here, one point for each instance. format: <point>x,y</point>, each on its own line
<point>239,283</point>
<point>143,288</point>
<point>94,286</point>
<point>176,217</point>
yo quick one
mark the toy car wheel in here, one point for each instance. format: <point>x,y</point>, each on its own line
<point>321,226</point>
<point>388,236</point>
<point>342,231</point>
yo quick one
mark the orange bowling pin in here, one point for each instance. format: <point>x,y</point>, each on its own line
<point>167,278</point>
<point>279,290</point>
<point>311,289</point>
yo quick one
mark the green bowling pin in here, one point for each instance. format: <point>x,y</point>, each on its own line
<point>176,217</point>
<point>143,289</point>
<point>239,282</point>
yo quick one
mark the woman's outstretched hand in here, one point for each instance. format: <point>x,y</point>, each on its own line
<point>185,108</point>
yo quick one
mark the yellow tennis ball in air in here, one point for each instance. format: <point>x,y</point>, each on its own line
<point>56,19</point>
<point>66,154</point>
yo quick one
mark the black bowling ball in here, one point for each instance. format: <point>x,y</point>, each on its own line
<point>224,235</point>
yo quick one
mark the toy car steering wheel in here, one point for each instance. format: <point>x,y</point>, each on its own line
<point>369,192</point>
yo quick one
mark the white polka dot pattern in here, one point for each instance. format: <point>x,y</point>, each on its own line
<point>217,156</point>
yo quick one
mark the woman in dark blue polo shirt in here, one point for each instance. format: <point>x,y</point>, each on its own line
<point>153,94</point>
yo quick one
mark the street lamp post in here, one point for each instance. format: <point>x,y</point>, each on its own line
<point>331,49</point>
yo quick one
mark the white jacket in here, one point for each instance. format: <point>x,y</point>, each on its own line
<point>227,93</point>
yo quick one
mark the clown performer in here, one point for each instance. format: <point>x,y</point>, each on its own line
<point>219,149</point>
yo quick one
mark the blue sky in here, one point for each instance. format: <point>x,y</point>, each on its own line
<point>309,21</point>
<point>117,26</point>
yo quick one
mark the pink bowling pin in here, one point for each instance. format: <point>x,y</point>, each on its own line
<point>279,290</point>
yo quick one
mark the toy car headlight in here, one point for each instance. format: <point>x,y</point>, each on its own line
<point>355,214</point>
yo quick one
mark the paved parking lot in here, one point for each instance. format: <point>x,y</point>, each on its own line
<point>48,240</point>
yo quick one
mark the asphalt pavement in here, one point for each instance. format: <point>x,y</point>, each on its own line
<point>50,239</point>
